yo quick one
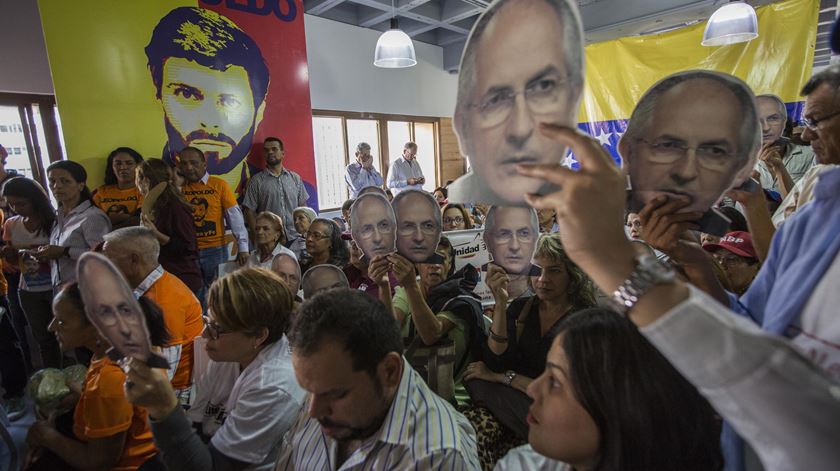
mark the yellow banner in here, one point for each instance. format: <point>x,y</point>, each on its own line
<point>779,61</point>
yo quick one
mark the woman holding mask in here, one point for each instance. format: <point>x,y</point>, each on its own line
<point>172,223</point>
<point>608,400</point>
<point>270,238</point>
<point>109,433</point>
<point>247,399</point>
<point>80,226</point>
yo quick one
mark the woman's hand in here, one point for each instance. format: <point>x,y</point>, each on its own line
<point>378,270</point>
<point>147,222</point>
<point>497,280</point>
<point>49,252</point>
<point>403,270</point>
<point>663,225</point>
<point>149,388</point>
<point>479,370</point>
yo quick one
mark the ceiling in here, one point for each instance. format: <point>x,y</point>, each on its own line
<point>447,23</point>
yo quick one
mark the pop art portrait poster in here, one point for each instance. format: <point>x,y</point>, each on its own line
<point>220,75</point>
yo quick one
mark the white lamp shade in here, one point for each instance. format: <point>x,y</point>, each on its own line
<point>394,50</point>
<point>732,23</point>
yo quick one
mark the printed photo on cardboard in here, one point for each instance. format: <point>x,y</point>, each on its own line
<point>373,225</point>
<point>522,66</point>
<point>114,311</point>
<point>693,134</point>
<point>511,234</point>
<point>419,225</point>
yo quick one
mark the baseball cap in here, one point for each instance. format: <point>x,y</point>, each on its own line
<point>737,242</point>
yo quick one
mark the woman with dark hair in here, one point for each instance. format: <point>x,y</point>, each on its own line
<point>109,432</point>
<point>248,397</point>
<point>324,245</point>
<point>119,197</point>
<point>441,195</point>
<point>80,226</point>
<point>608,400</point>
<point>455,217</point>
<point>519,340</point>
<point>171,221</point>
<point>29,229</point>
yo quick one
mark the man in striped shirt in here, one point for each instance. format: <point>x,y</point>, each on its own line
<point>367,408</point>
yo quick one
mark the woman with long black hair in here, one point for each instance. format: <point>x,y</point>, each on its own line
<point>119,197</point>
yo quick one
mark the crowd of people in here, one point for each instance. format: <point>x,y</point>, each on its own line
<point>614,337</point>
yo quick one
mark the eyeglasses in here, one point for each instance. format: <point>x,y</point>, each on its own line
<point>505,236</point>
<point>771,120</point>
<point>542,96</point>
<point>384,227</point>
<point>813,124</point>
<point>729,260</point>
<point>453,221</point>
<point>108,316</point>
<point>314,235</point>
<point>409,228</point>
<point>213,329</point>
<point>712,157</point>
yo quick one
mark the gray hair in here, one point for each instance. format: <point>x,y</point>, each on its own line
<point>490,220</point>
<point>779,103</point>
<point>567,13</point>
<point>136,239</point>
<point>424,194</point>
<point>306,281</point>
<point>830,75</point>
<point>749,137</point>
<point>371,197</point>
<point>362,146</point>
<point>293,259</point>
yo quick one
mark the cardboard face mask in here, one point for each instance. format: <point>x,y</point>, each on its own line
<point>511,236</point>
<point>694,134</point>
<point>419,226</point>
<point>522,66</point>
<point>111,307</point>
<point>322,278</point>
<point>373,225</point>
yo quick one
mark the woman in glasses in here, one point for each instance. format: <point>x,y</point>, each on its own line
<point>455,217</point>
<point>324,245</point>
<point>108,432</point>
<point>248,397</point>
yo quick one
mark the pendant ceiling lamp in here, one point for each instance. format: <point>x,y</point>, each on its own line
<point>732,23</point>
<point>394,49</point>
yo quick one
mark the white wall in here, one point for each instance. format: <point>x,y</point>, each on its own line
<point>342,75</point>
<point>23,55</point>
<point>341,72</point>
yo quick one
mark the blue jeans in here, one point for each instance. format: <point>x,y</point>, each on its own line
<point>209,260</point>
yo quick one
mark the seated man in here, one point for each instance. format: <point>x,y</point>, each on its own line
<point>135,250</point>
<point>367,408</point>
<point>321,278</point>
<point>287,268</point>
<point>441,304</point>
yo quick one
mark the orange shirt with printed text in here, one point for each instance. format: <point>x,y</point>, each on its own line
<point>209,202</point>
<point>110,199</point>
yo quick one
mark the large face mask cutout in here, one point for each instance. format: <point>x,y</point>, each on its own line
<point>510,234</point>
<point>419,226</point>
<point>111,307</point>
<point>507,88</point>
<point>693,135</point>
<point>373,225</point>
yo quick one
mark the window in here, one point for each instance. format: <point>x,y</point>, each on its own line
<point>337,133</point>
<point>31,133</point>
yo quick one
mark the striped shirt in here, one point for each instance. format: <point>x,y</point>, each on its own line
<point>279,194</point>
<point>421,431</point>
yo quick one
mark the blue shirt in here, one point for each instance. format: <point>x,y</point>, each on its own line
<point>359,178</point>
<point>803,248</point>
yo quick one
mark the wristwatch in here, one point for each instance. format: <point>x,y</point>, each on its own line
<point>649,272</point>
<point>509,375</point>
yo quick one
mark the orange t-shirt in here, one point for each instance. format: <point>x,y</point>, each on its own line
<point>209,202</point>
<point>110,199</point>
<point>103,411</point>
<point>182,316</point>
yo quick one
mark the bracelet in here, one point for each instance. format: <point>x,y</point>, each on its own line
<point>497,338</point>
